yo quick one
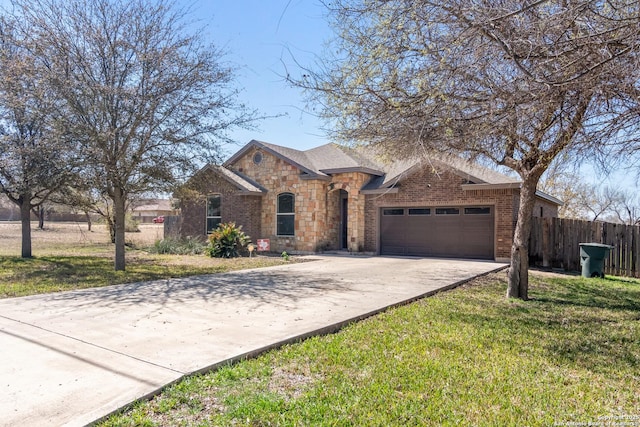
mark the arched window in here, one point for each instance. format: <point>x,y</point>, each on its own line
<point>286,214</point>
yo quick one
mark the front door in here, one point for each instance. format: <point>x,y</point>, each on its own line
<point>344,209</point>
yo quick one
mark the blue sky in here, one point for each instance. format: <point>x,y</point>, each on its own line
<point>260,37</point>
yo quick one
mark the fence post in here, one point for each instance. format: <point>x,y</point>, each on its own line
<point>546,250</point>
<point>554,243</point>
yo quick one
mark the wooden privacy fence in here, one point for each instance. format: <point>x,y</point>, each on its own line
<point>555,243</point>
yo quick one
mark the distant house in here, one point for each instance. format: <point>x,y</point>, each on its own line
<point>9,211</point>
<point>146,209</point>
<point>337,198</point>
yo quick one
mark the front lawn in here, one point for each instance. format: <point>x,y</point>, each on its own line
<point>68,257</point>
<point>21,277</point>
<point>468,357</point>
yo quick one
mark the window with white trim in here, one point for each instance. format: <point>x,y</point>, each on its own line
<point>286,215</point>
<point>214,212</point>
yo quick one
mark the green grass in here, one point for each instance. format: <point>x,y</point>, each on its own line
<point>468,357</point>
<point>68,257</point>
<point>55,273</point>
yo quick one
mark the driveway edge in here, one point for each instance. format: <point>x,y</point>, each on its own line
<point>326,330</point>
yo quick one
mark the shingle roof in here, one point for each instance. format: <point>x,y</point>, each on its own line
<point>477,173</point>
<point>318,162</point>
<point>328,159</point>
<point>397,170</point>
<point>332,157</point>
<point>241,181</point>
<point>153,205</point>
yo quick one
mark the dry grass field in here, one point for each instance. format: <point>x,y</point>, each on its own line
<point>66,256</point>
<point>69,238</point>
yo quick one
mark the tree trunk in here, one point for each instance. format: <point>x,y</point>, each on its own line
<point>519,269</point>
<point>111,225</point>
<point>41,217</point>
<point>38,211</point>
<point>118,212</point>
<point>86,214</point>
<point>25,217</point>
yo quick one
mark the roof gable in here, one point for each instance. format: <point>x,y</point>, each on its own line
<point>319,162</point>
<point>294,157</point>
<point>241,182</point>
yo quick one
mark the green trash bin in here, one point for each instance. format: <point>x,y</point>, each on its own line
<point>592,256</point>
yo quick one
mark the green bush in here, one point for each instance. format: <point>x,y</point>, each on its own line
<point>227,241</point>
<point>173,246</point>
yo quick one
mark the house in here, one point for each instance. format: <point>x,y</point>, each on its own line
<point>338,198</point>
<point>145,210</point>
<point>9,211</point>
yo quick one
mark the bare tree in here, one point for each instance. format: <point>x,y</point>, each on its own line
<point>518,83</point>
<point>35,158</point>
<point>626,208</point>
<point>141,91</point>
<point>82,196</point>
<point>597,201</point>
<point>565,184</point>
<point>585,200</point>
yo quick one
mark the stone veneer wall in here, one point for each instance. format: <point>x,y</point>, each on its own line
<point>428,187</point>
<point>317,204</point>
<point>331,238</point>
<point>352,182</point>
<point>311,217</point>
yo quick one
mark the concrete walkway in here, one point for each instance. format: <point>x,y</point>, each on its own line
<point>71,358</point>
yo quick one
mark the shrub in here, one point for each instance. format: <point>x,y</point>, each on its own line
<point>227,241</point>
<point>131,225</point>
<point>170,245</point>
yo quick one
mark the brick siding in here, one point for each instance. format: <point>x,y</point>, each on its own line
<point>431,187</point>
<point>242,209</point>
<point>318,205</point>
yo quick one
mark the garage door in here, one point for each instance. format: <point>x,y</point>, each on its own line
<point>458,232</point>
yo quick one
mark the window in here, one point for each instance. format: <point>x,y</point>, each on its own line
<point>477,211</point>
<point>257,158</point>
<point>214,212</point>
<point>419,211</point>
<point>286,215</point>
<point>447,211</point>
<point>388,212</point>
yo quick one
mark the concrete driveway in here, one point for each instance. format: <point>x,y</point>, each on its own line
<point>71,358</point>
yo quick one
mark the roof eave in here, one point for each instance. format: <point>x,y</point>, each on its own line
<point>511,185</point>
<point>499,186</point>
<point>549,198</point>
<point>353,169</point>
<point>391,190</point>
<point>217,170</point>
<point>260,145</point>
<point>251,193</point>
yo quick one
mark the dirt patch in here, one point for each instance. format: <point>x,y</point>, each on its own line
<point>290,385</point>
